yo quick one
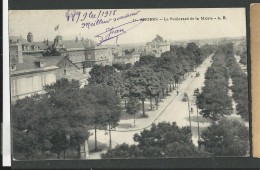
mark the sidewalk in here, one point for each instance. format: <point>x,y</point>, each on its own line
<point>171,109</point>
<point>142,123</point>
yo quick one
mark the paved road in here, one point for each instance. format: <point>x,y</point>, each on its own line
<point>175,111</point>
<point>178,111</point>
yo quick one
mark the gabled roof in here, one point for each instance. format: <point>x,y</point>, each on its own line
<point>29,62</point>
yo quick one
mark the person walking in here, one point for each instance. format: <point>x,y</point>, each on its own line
<point>177,92</point>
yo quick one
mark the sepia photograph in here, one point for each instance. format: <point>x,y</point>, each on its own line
<point>128,83</point>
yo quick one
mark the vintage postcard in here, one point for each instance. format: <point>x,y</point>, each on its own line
<point>128,83</point>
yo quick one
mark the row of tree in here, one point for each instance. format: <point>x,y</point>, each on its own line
<point>240,83</point>
<point>243,58</point>
<point>60,119</point>
<point>214,100</point>
<point>151,78</point>
<point>225,137</point>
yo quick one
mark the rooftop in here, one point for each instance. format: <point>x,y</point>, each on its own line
<point>29,62</point>
<point>43,69</point>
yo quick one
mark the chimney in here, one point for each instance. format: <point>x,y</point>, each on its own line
<point>42,63</point>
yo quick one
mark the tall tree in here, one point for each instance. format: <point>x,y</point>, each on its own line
<point>100,74</point>
<point>138,81</point>
<point>226,138</point>
<point>133,106</point>
<point>107,108</point>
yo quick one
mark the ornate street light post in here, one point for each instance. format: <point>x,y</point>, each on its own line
<point>189,111</point>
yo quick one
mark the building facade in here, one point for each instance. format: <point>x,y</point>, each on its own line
<point>26,83</point>
<point>156,48</point>
<point>80,51</point>
<point>99,55</point>
<point>28,73</point>
<point>126,59</point>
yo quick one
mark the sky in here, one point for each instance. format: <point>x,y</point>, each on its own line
<point>42,23</point>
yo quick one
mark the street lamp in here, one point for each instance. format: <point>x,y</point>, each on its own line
<point>197,116</point>
<point>189,111</point>
<point>198,121</point>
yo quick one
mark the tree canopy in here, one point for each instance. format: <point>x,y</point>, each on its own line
<point>226,138</point>
<point>162,140</point>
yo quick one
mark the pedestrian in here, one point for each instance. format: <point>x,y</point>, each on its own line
<point>177,92</point>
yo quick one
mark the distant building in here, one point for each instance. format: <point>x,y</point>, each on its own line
<point>29,46</point>
<point>99,55</point>
<point>80,51</point>
<point>30,76</point>
<point>156,48</point>
<point>127,58</point>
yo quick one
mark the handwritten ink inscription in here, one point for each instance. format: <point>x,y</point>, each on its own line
<point>115,32</point>
<point>95,18</point>
<point>76,15</point>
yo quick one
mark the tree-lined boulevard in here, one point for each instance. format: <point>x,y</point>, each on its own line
<point>145,110</point>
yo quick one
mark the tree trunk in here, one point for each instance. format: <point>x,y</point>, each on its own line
<point>125,104</point>
<point>163,92</point>
<point>110,140</point>
<point>134,119</point>
<point>64,154</point>
<point>151,103</point>
<point>156,100</point>
<point>78,149</point>
<point>143,108</point>
<point>95,138</point>
<point>171,87</point>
